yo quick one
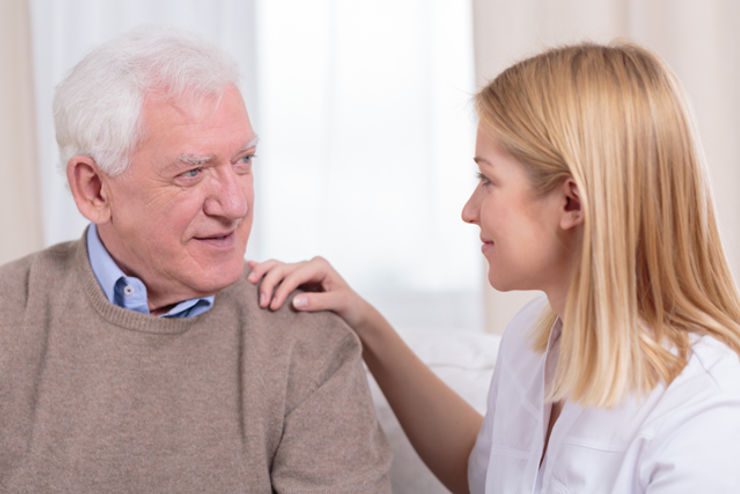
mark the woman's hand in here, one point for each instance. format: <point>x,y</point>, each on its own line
<point>325,288</point>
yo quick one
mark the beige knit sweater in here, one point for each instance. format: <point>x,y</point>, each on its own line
<point>95,398</point>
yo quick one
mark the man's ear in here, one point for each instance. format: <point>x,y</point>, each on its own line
<point>572,212</point>
<point>89,188</point>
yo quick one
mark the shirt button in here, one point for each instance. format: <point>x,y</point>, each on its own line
<point>128,290</point>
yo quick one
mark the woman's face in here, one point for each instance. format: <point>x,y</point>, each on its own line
<point>523,234</point>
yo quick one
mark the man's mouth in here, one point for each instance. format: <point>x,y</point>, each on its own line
<point>221,240</point>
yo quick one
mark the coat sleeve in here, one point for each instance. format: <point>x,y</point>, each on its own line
<point>332,441</point>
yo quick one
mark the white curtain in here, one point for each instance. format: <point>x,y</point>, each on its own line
<point>20,216</point>
<point>699,41</point>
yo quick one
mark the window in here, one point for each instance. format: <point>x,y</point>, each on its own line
<point>367,133</point>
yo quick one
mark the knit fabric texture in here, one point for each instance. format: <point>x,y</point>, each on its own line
<point>96,398</point>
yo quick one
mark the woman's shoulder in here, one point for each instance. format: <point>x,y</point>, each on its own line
<point>711,378</point>
<point>705,396</point>
<point>716,363</point>
<point>693,433</point>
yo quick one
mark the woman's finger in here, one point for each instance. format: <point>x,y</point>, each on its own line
<point>272,280</point>
<point>258,269</point>
<point>313,301</point>
<point>305,273</point>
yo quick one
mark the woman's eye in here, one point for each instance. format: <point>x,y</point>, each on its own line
<point>484,181</point>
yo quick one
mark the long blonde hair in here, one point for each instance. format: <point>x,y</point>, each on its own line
<point>652,269</point>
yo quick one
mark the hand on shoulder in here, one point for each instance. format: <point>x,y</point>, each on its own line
<point>324,288</point>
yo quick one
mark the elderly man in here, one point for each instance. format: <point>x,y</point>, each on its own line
<point>137,359</point>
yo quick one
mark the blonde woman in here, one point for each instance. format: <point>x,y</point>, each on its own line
<point>626,377</point>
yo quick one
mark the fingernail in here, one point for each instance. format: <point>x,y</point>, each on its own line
<point>263,299</point>
<point>299,301</point>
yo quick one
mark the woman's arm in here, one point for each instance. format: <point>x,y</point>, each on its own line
<point>441,426</point>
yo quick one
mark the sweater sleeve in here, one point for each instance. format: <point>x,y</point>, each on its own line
<point>331,439</point>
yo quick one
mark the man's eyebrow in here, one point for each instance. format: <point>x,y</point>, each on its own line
<point>247,146</point>
<point>195,159</point>
<point>192,159</point>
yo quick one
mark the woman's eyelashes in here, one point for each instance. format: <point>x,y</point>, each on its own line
<point>483,180</point>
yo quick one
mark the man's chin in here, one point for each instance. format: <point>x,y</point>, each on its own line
<point>220,280</point>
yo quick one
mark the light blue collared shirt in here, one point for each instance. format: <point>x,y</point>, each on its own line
<point>129,292</point>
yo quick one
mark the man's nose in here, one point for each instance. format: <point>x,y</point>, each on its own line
<point>228,197</point>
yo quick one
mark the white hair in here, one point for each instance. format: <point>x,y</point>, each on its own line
<point>97,107</point>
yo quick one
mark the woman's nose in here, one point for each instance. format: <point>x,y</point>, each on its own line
<point>470,209</point>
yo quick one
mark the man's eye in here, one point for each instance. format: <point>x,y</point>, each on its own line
<point>247,159</point>
<point>244,164</point>
<point>195,172</point>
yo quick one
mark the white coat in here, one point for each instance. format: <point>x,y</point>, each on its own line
<point>683,438</point>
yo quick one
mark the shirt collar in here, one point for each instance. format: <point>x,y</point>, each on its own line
<point>129,292</point>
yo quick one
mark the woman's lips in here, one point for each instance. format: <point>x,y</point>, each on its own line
<point>487,246</point>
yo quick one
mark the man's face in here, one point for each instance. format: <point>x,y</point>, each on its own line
<point>180,215</point>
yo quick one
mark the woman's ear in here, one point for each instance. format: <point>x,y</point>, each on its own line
<point>89,189</point>
<point>572,213</point>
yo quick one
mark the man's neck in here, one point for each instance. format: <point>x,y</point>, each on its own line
<point>109,271</point>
